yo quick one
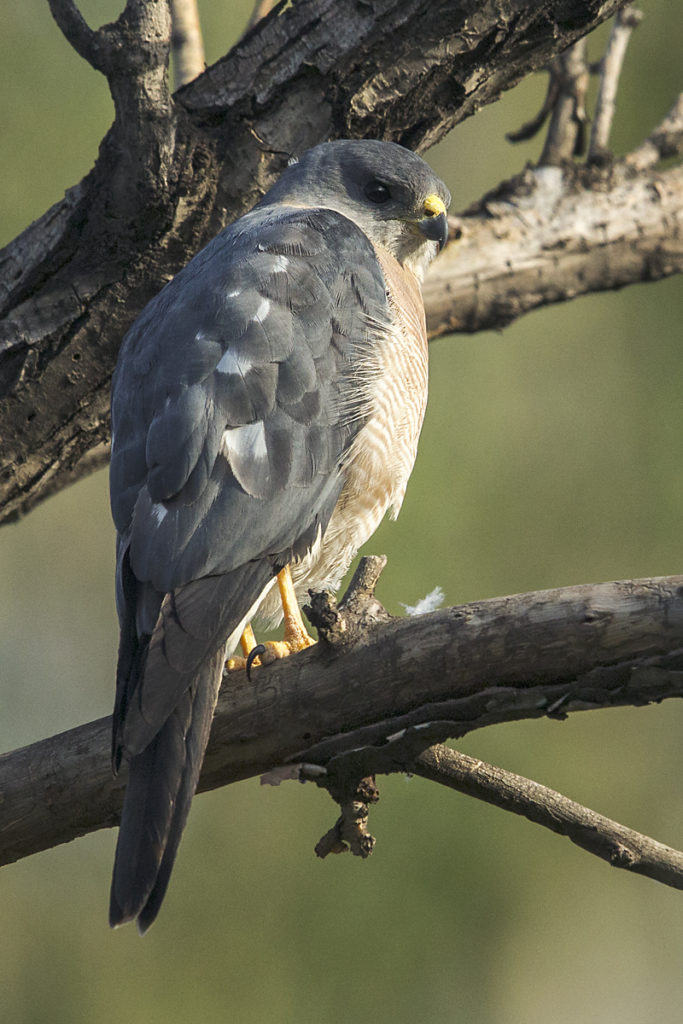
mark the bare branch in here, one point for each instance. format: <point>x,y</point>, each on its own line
<point>565,137</point>
<point>375,702</point>
<point>628,18</point>
<point>186,41</point>
<point>533,127</point>
<point>665,141</point>
<point>620,846</point>
<point>350,831</point>
<point>551,235</point>
<point>77,31</point>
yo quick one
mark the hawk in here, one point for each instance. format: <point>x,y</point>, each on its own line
<point>266,408</point>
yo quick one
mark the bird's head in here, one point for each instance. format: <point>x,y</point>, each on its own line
<point>388,191</point>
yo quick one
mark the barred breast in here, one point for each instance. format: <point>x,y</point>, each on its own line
<point>382,455</point>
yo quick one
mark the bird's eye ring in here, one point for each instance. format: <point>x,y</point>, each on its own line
<point>377,192</point>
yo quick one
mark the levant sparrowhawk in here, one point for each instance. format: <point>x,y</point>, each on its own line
<point>266,408</point>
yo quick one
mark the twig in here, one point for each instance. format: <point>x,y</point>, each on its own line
<point>350,832</point>
<point>187,44</point>
<point>565,137</point>
<point>76,30</point>
<point>533,127</point>
<point>620,846</point>
<point>628,18</point>
<point>665,141</point>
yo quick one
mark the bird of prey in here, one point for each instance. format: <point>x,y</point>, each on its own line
<point>266,408</point>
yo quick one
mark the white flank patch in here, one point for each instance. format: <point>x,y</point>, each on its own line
<point>159,511</point>
<point>426,604</point>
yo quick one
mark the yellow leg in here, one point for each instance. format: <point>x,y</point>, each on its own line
<point>247,640</point>
<point>296,637</point>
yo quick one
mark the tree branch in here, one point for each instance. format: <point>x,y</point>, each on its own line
<point>75,28</point>
<point>628,18</point>
<point>550,235</point>
<point>565,137</point>
<point>665,141</point>
<point>373,694</point>
<point>620,846</point>
<point>187,42</point>
<point>171,173</point>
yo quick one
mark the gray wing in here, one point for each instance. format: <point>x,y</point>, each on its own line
<point>238,392</point>
<point>236,395</point>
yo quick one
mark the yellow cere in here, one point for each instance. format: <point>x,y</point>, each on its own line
<point>433,206</point>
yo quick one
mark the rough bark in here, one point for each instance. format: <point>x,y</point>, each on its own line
<point>172,171</point>
<point>552,234</point>
<point>375,692</point>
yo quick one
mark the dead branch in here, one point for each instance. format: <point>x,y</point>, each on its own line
<point>620,846</point>
<point>665,141</point>
<point>171,172</point>
<point>186,41</point>
<point>550,235</point>
<point>628,18</point>
<point>374,694</point>
<point>569,81</point>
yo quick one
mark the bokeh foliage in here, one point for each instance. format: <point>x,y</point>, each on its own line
<point>552,454</point>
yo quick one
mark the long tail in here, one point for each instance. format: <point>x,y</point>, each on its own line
<point>161,783</point>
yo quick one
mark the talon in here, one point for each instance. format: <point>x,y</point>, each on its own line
<point>252,656</point>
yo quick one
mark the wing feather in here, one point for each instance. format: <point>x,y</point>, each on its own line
<point>241,376</point>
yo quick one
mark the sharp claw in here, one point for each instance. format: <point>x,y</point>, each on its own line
<point>252,656</point>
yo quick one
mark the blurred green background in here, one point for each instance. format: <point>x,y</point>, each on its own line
<point>552,454</point>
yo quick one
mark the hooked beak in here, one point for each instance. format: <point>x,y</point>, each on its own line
<point>434,224</point>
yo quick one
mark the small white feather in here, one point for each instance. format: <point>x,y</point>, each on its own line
<point>159,511</point>
<point>433,600</point>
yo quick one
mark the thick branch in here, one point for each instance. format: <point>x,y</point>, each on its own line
<point>550,236</point>
<point>77,31</point>
<point>400,69</point>
<point>382,697</point>
<point>619,846</point>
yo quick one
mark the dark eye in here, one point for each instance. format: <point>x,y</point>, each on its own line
<point>377,192</point>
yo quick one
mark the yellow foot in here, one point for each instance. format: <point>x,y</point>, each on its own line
<point>296,637</point>
<point>247,643</point>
